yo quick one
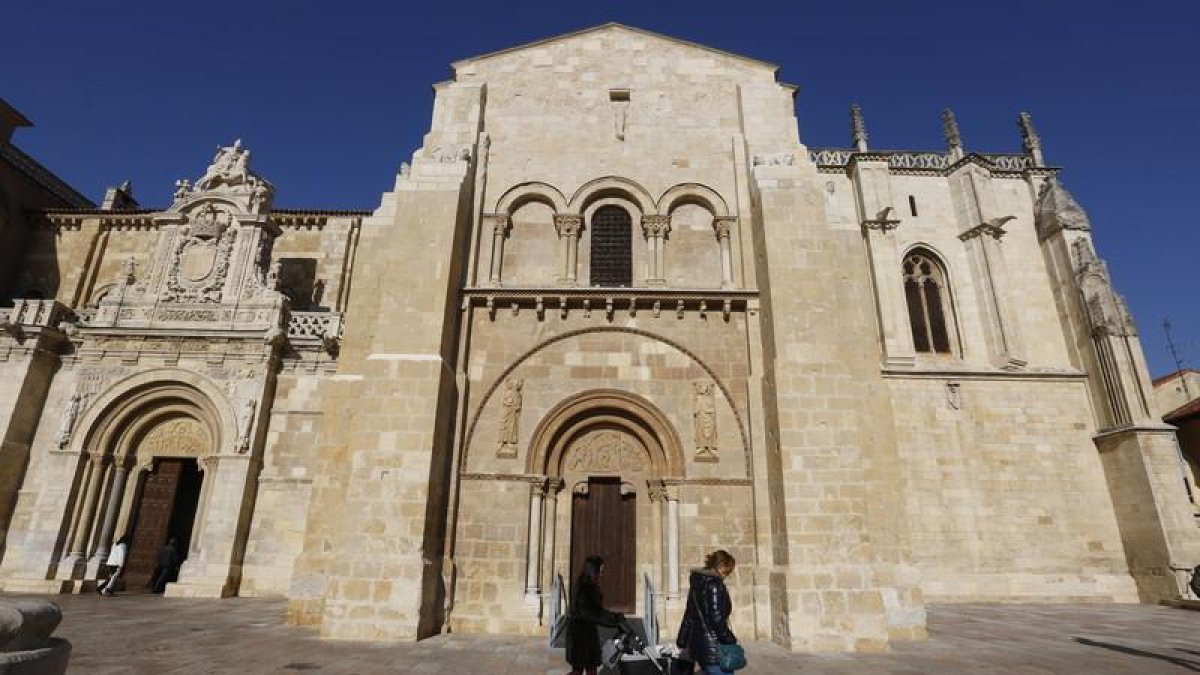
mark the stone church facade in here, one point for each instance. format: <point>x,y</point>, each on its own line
<point>611,304</point>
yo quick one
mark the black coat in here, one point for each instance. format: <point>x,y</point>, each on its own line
<point>586,613</point>
<point>707,596</point>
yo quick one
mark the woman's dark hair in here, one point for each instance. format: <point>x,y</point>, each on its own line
<point>591,569</point>
<point>719,560</point>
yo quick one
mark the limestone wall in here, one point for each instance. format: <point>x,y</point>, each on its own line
<point>1005,493</point>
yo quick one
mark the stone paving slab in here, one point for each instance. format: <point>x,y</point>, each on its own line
<point>151,635</point>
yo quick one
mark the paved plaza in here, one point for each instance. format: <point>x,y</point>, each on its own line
<point>150,635</point>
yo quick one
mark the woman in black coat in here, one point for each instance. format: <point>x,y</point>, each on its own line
<point>706,618</point>
<point>586,614</point>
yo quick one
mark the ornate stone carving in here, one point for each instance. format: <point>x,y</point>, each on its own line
<point>858,129</point>
<point>1029,138</point>
<point>882,222</point>
<point>704,421</point>
<point>950,130</point>
<point>451,153</point>
<point>954,395</point>
<point>568,224</point>
<point>67,423</point>
<point>993,228</point>
<point>510,418</point>
<point>775,159</point>
<point>1106,310</point>
<point>500,223</point>
<point>247,426</point>
<point>198,268</point>
<point>230,174</point>
<point>1057,210</point>
<point>178,437</point>
<point>723,226</point>
<point>605,451</point>
<point>657,490</point>
<point>129,271</point>
<point>655,225</point>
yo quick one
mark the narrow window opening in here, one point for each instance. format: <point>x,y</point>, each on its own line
<point>925,292</point>
<point>612,247</point>
<point>912,205</point>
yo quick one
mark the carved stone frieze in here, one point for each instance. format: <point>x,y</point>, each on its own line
<point>605,451</point>
<point>178,437</point>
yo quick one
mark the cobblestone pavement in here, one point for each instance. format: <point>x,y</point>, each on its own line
<point>150,635</point>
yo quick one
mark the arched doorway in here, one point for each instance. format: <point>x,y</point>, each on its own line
<point>610,459</point>
<point>145,451</point>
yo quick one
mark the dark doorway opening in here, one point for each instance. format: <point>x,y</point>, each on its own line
<point>604,523</point>
<point>165,507</point>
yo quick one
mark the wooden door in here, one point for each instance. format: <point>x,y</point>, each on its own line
<point>604,523</point>
<point>153,520</point>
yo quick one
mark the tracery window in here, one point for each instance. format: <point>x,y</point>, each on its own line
<point>927,295</point>
<point>612,244</point>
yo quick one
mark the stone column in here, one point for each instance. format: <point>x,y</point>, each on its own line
<point>555,486</point>
<point>90,496</point>
<point>537,495</point>
<point>115,496</point>
<point>723,226</point>
<point>568,226</point>
<point>76,521</point>
<point>501,225</point>
<point>672,496</point>
<point>655,228</point>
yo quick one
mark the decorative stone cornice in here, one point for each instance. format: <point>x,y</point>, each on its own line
<point>655,225</point>
<point>993,228</point>
<point>568,224</point>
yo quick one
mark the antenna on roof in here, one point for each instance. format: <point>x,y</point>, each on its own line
<point>1175,355</point>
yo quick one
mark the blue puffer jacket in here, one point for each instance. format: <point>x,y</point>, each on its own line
<point>707,595</point>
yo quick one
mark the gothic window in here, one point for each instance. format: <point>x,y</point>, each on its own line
<point>928,299</point>
<point>612,244</point>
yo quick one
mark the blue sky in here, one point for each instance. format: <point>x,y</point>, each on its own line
<point>331,97</point>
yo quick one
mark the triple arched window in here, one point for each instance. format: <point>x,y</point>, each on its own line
<point>927,295</point>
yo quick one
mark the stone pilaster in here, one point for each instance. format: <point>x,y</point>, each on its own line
<point>500,225</point>
<point>656,228</point>
<point>723,228</point>
<point>568,226</point>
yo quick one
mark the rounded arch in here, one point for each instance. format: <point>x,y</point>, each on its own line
<point>132,407</point>
<point>612,407</point>
<point>693,193</point>
<point>491,390</point>
<point>533,191</point>
<point>611,186</point>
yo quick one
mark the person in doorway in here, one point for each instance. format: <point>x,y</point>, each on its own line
<point>705,622</point>
<point>586,615</point>
<point>116,565</point>
<point>167,569</point>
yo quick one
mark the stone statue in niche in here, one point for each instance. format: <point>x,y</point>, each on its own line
<point>510,421</point>
<point>70,414</point>
<point>247,426</point>
<point>704,421</point>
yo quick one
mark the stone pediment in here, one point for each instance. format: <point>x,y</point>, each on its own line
<point>615,28</point>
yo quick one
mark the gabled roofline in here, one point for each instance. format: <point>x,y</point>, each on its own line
<point>614,24</point>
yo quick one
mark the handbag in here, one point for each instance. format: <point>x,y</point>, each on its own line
<point>729,657</point>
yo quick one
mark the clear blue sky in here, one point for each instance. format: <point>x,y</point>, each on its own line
<point>332,96</point>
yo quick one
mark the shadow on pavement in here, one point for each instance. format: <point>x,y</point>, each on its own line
<point>1190,664</point>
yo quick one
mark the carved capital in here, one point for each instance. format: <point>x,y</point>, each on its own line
<point>654,225</point>
<point>539,488</point>
<point>723,226</point>
<point>568,224</point>
<point>500,223</point>
<point>657,490</point>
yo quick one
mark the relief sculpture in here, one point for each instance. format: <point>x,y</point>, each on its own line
<point>510,421</point>
<point>704,418</point>
<point>606,451</point>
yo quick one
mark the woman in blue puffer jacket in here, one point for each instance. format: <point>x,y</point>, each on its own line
<point>706,618</point>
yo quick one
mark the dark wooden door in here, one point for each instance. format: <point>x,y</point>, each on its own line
<point>153,519</point>
<point>604,523</point>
